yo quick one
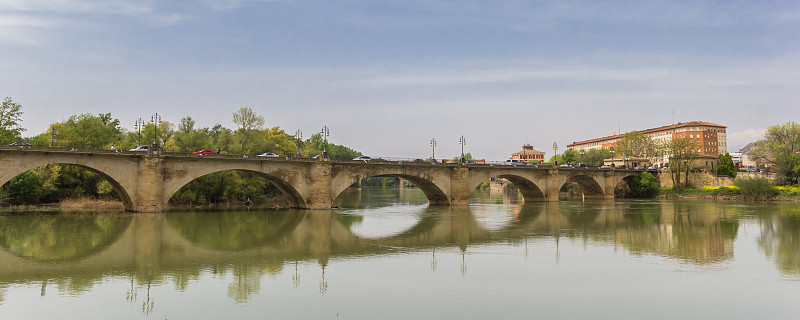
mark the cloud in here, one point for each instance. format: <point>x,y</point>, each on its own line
<point>739,139</point>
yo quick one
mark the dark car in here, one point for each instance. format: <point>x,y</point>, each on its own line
<point>21,145</point>
<point>580,165</point>
<point>622,167</point>
<point>204,152</point>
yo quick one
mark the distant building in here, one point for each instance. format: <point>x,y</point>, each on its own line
<point>708,139</point>
<point>528,154</point>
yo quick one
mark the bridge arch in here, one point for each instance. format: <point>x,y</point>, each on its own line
<point>120,179</point>
<point>433,191</point>
<point>591,188</point>
<point>173,184</point>
<point>531,191</point>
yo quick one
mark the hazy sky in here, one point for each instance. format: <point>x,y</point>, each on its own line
<point>387,76</point>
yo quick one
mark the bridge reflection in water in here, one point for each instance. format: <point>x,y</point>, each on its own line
<point>76,251</point>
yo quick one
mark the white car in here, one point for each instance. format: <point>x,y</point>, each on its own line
<point>140,149</point>
<point>268,155</point>
<point>362,158</point>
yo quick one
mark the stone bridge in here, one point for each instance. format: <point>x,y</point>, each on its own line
<point>146,182</point>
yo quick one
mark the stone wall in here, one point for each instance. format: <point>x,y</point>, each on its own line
<point>696,179</point>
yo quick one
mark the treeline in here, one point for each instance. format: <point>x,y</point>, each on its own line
<point>53,183</point>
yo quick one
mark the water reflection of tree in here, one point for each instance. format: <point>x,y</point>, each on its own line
<point>233,230</point>
<point>60,236</point>
<point>780,239</point>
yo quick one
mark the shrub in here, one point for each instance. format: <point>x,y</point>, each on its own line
<point>645,185</point>
<point>756,188</point>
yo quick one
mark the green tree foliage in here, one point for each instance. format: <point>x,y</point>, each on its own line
<point>594,157</point>
<point>643,186</point>
<point>755,188</point>
<point>249,123</point>
<point>634,144</point>
<point>165,132</point>
<point>781,147</point>
<point>55,182</point>
<point>87,131</point>
<point>10,122</point>
<point>314,146</point>
<point>726,167</point>
<point>682,158</point>
<point>226,186</point>
<point>569,156</point>
<point>188,139</point>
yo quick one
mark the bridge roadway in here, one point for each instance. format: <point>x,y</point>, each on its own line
<point>146,182</point>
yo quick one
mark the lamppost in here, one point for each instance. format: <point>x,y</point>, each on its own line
<point>555,154</point>
<point>299,136</point>
<point>433,149</point>
<point>583,152</point>
<point>155,120</point>
<point>462,141</point>
<point>53,142</point>
<point>138,126</point>
<point>325,133</point>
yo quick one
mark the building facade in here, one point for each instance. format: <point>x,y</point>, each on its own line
<point>706,138</point>
<point>528,154</point>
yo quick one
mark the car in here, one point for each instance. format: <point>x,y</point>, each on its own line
<point>638,168</point>
<point>532,164</point>
<point>622,167</point>
<point>315,157</point>
<point>653,167</point>
<point>605,166</point>
<point>140,149</point>
<point>417,160</point>
<point>268,155</point>
<point>580,165</point>
<point>21,144</point>
<point>202,152</point>
<point>362,158</point>
<point>513,162</point>
<point>565,165</point>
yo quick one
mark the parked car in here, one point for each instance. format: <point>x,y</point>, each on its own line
<point>140,149</point>
<point>362,158</point>
<point>653,167</point>
<point>532,164</point>
<point>417,160</point>
<point>201,152</point>
<point>580,165</point>
<point>315,157</point>
<point>622,167</point>
<point>565,165</point>
<point>605,166</point>
<point>21,145</point>
<point>638,168</point>
<point>268,155</point>
<point>513,162</point>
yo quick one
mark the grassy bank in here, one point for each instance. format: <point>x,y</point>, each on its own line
<point>755,192</point>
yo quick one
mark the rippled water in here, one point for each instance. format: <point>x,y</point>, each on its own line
<point>384,254</point>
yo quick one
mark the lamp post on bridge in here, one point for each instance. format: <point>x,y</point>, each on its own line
<point>299,136</point>
<point>138,126</point>
<point>155,120</point>
<point>555,154</point>
<point>433,149</point>
<point>462,141</point>
<point>325,133</point>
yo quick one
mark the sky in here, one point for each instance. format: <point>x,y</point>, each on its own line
<point>386,77</point>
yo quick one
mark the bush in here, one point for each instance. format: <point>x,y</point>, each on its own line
<point>756,188</point>
<point>645,185</point>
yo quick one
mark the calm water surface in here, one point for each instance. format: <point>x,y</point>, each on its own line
<point>386,255</point>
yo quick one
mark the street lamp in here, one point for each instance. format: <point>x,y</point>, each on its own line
<point>325,133</point>
<point>433,149</point>
<point>583,152</point>
<point>155,120</point>
<point>299,136</point>
<point>138,126</point>
<point>462,141</point>
<point>555,154</point>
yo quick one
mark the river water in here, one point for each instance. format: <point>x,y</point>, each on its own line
<point>384,254</point>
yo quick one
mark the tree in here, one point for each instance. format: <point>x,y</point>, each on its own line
<point>594,157</point>
<point>189,139</point>
<point>634,144</point>
<point>248,122</point>
<point>726,167</point>
<point>644,185</point>
<point>781,147</point>
<point>681,159</point>
<point>10,122</point>
<point>88,131</point>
